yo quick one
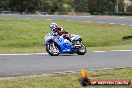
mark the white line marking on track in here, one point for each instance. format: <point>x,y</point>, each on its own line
<point>48,19</point>
<point>130,66</point>
<point>121,50</point>
<point>24,54</point>
<point>69,72</point>
<point>103,69</point>
<point>111,23</point>
<point>99,51</point>
<point>86,16</point>
<point>28,18</point>
<point>57,72</point>
<point>122,24</point>
<point>86,21</point>
<point>121,17</point>
<point>47,53</point>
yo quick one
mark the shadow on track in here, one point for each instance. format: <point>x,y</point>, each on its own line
<point>67,55</point>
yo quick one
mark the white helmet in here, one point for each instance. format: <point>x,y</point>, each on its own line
<point>53,26</point>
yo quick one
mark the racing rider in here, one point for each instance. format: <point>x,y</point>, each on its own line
<point>59,31</point>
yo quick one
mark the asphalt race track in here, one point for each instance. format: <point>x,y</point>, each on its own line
<point>35,64</point>
<point>117,20</point>
<point>17,65</point>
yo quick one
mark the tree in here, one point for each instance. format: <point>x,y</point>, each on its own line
<point>129,8</point>
<point>24,5</point>
<point>4,5</point>
<point>52,6</point>
<point>101,6</point>
<point>80,5</point>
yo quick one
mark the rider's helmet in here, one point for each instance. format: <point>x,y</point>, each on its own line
<point>53,26</point>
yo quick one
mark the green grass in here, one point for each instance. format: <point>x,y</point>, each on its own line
<point>26,35</point>
<point>67,80</point>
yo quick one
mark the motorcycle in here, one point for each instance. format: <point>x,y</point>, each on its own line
<point>56,44</point>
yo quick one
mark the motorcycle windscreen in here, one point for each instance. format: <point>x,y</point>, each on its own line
<point>75,37</point>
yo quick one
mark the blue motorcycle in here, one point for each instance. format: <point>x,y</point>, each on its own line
<point>56,44</point>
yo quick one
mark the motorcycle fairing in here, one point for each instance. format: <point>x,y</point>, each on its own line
<point>64,47</point>
<point>75,37</point>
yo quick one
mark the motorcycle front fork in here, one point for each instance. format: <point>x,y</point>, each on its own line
<point>54,48</point>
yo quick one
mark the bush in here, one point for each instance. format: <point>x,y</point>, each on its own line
<point>111,13</point>
<point>129,8</point>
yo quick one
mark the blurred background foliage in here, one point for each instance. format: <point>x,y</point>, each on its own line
<point>65,6</point>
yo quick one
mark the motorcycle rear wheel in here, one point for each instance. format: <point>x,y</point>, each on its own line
<point>82,50</point>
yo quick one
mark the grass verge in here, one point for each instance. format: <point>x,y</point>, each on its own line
<point>26,35</point>
<point>67,80</point>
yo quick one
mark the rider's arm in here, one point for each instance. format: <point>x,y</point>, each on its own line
<point>63,31</point>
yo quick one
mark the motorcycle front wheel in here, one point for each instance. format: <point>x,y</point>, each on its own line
<point>52,50</point>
